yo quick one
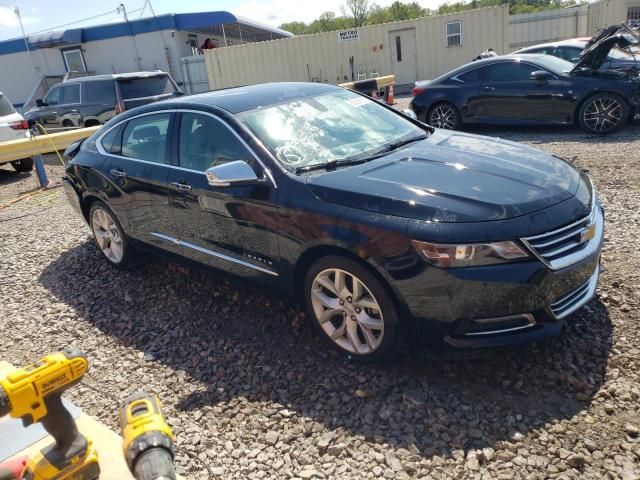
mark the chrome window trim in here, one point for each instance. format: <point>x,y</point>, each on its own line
<point>213,253</point>
<point>102,151</point>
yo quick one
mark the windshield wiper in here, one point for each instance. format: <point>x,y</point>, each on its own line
<point>395,145</point>
<point>330,165</point>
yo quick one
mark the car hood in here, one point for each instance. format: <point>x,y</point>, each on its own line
<point>594,55</point>
<point>452,177</point>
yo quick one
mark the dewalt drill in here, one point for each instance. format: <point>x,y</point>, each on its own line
<point>33,394</point>
<point>147,439</point>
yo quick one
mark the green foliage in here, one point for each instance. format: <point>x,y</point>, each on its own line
<point>359,12</point>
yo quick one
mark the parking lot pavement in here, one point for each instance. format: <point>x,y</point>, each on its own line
<point>251,393</point>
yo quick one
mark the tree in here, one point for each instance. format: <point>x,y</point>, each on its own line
<point>297,28</point>
<point>357,10</point>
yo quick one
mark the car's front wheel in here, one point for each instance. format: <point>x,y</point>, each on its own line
<point>23,165</point>
<point>444,115</point>
<point>351,309</point>
<point>603,113</point>
<point>109,236</point>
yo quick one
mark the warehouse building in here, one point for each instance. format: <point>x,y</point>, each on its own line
<point>158,42</point>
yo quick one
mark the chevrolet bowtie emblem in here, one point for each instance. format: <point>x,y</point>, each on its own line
<point>588,234</point>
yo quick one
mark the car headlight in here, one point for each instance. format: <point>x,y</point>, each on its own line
<point>446,255</point>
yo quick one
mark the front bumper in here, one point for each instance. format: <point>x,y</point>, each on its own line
<point>505,304</point>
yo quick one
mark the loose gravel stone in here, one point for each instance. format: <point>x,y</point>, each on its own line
<point>251,393</point>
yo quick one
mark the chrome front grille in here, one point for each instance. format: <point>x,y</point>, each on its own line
<point>571,243</point>
<point>570,302</point>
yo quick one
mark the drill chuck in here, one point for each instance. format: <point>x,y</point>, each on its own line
<point>147,439</point>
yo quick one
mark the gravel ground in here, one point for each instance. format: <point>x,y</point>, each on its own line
<point>251,393</point>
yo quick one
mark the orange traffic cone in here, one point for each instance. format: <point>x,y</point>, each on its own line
<point>390,98</point>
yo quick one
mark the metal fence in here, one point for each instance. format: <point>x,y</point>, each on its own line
<point>531,28</point>
<point>194,74</point>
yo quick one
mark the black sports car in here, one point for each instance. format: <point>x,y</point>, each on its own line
<point>380,224</point>
<point>533,89</point>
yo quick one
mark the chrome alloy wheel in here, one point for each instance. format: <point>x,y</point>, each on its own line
<point>107,235</point>
<point>602,114</point>
<point>443,116</point>
<point>347,311</point>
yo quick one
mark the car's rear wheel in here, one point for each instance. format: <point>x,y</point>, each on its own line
<point>351,309</point>
<point>109,236</point>
<point>23,165</point>
<point>603,113</point>
<point>444,115</point>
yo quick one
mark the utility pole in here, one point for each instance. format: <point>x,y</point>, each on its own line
<point>16,10</point>
<point>122,9</point>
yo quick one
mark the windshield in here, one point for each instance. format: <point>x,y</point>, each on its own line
<point>554,64</point>
<point>330,127</point>
<point>5,106</point>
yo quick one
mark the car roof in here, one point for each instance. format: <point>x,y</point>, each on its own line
<point>489,61</point>
<point>240,99</point>
<point>571,42</point>
<point>117,76</point>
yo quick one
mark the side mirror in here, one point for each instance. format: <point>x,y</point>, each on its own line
<point>229,174</point>
<point>410,113</point>
<point>539,76</point>
<point>40,103</point>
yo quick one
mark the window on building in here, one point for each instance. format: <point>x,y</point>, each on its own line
<point>453,33</point>
<point>206,142</point>
<point>74,60</point>
<point>633,13</point>
<point>100,92</point>
<point>145,138</point>
<point>70,94</point>
<point>398,48</point>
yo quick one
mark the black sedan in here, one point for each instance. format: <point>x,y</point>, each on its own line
<point>533,89</point>
<point>384,227</point>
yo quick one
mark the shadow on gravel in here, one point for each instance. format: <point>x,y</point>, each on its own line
<point>8,177</point>
<point>544,134</point>
<point>234,341</point>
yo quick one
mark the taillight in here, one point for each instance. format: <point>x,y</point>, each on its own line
<point>417,91</point>
<point>119,107</point>
<point>20,125</point>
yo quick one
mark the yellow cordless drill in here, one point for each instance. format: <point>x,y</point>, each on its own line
<point>147,439</point>
<point>33,394</point>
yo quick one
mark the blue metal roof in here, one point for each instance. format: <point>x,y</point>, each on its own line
<point>177,21</point>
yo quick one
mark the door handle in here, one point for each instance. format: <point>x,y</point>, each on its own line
<point>183,187</point>
<point>118,173</point>
<point>488,88</point>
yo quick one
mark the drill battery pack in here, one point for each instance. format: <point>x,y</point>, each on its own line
<point>79,463</point>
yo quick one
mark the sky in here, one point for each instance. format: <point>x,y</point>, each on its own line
<point>43,15</point>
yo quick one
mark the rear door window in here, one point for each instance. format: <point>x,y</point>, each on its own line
<point>70,94</point>
<point>112,141</point>
<point>5,106</point>
<point>145,138</point>
<point>145,87</point>
<point>100,92</point>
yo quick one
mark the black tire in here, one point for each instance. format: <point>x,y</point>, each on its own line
<point>67,124</point>
<point>389,345</point>
<point>603,113</point>
<point>128,254</point>
<point>444,115</point>
<point>23,165</point>
<point>91,123</point>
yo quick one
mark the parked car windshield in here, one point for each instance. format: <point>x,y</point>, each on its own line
<point>328,127</point>
<point>5,106</point>
<point>145,87</point>
<point>554,64</point>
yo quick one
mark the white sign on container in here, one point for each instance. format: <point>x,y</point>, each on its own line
<point>348,36</point>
